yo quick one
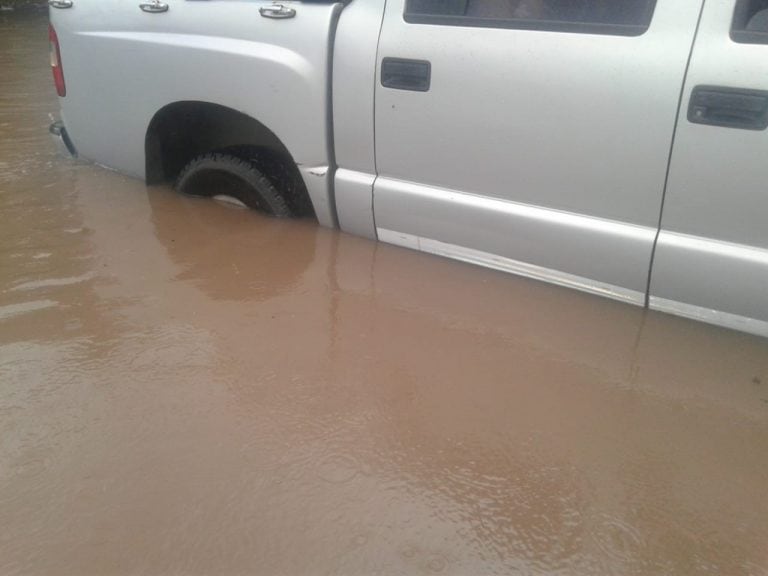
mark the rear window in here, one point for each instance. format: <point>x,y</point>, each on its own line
<point>750,22</point>
<point>618,17</point>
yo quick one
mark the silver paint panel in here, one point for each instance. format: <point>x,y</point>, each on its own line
<point>712,249</point>
<point>123,65</point>
<point>711,275</point>
<point>575,128</point>
<point>607,252</point>
<point>354,202</point>
<point>354,80</point>
<point>575,122</point>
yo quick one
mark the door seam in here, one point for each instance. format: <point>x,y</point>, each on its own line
<point>375,91</point>
<point>330,134</point>
<point>671,151</point>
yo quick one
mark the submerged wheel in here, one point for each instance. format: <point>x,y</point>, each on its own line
<point>226,175</point>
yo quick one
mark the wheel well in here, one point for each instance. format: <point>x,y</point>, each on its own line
<point>182,131</point>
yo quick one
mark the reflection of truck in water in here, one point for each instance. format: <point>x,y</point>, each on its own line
<point>548,138</point>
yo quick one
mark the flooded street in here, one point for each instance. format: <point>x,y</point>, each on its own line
<point>187,387</point>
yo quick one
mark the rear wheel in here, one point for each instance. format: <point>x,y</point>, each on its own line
<point>218,174</point>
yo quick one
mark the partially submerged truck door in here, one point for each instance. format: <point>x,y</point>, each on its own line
<point>711,260</point>
<point>531,135</point>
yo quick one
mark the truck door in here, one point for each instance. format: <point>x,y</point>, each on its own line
<point>711,260</point>
<point>531,135</point>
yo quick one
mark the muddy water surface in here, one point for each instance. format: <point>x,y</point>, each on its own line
<point>190,388</point>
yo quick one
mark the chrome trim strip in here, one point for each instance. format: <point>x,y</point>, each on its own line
<point>724,319</point>
<point>728,250</point>
<point>503,264</point>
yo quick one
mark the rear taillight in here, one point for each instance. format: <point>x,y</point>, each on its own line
<point>58,71</point>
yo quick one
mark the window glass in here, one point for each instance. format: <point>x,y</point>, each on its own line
<point>750,22</point>
<point>625,17</point>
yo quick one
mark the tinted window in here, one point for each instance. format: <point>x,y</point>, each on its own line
<point>624,17</point>
<point>750,22</point>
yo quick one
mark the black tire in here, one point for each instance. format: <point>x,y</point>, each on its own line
<point>223,174</point>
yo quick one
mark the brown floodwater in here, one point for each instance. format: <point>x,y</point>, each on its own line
<point>187,387</point>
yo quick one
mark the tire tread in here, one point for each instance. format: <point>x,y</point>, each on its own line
<point>263,193</point>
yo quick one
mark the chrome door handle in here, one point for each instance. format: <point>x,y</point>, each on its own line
<point>154,6</point>
<point>60,4</point>
<point>277,11</point>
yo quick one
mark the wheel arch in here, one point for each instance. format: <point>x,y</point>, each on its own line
<point>183,130</point>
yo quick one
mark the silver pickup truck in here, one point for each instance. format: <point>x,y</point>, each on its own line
<point>614,146</point>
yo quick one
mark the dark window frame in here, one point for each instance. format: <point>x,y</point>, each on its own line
<point>599,28</point>
<point>739,33</point>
